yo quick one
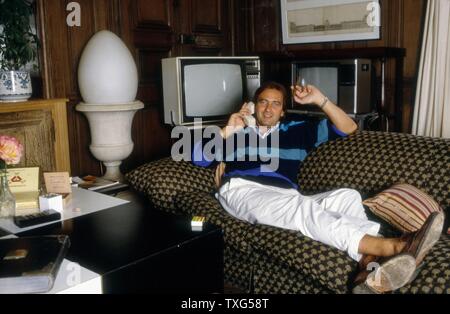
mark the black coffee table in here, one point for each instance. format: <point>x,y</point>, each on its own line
<point>138,249</point>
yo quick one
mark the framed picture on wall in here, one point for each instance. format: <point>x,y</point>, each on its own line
<point>313,21</point>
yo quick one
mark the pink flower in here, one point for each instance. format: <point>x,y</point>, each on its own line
<point>10,150</point>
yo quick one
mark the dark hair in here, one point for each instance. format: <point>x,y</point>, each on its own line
<point>271,85</point>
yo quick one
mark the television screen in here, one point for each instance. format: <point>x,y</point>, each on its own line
<point>326,78</point>
<point>220,84</point>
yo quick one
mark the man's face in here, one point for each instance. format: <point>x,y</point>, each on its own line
<point>269,107</point>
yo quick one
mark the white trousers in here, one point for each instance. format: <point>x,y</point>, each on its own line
<point>336,218</point>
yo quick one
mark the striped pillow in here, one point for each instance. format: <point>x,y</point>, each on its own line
<point>403,206</point>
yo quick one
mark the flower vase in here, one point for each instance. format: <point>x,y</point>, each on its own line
<point>7,199</point>
<point>15,86</point>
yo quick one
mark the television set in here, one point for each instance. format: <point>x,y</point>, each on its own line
<point>210,88</point>
<point>348,83</point>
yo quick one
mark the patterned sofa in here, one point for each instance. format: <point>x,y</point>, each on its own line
<point>264,259</point>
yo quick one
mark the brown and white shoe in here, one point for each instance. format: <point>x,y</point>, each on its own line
<point>399,270</point>
<point>391,274</point>
<point>419,243</point>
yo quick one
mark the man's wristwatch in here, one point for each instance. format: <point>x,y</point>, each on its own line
<point>324,102</point>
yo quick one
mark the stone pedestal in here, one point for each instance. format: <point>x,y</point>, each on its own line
<point>111,133</point>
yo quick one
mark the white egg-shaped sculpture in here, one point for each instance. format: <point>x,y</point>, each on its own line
<point>107,73</point>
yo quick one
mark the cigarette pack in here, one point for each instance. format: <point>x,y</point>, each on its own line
<point>197,223</point>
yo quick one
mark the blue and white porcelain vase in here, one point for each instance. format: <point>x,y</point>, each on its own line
<point>15,86</point>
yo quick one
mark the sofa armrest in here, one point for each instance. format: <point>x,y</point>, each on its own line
<point>161,180</point>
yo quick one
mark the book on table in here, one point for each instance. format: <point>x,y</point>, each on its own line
<point>30,264</point>
<point>94,183</point>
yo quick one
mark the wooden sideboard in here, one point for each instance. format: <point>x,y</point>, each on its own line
<point>41,126</point>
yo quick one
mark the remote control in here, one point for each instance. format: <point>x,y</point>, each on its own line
<point>37,218</point>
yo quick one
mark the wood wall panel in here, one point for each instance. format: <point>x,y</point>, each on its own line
<point>150,93</point>
<point>55,68</point>
<point>150,136</point>
<point>206,25</point>
<point>150,31</point>
<point>162,41</point>
<point>150,65</point>
<point>155,13</point>
<point>206,21</point>
<point>242,13</point>
<point>412,30</point>
<point>150,71</point>
<point>265,28</point>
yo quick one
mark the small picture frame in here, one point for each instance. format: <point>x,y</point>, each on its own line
<point>313,21</point>
<point>57,182</point>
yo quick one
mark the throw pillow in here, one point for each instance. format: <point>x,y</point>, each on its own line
<point>403,206</point>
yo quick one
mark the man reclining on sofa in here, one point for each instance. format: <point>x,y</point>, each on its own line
<point>259,190</point>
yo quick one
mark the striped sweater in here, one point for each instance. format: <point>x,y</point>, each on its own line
<point>273,159</point>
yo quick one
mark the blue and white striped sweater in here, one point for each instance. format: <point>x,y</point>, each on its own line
<point>274,160</point>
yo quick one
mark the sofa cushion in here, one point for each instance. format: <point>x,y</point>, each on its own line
<point>205,204</point>
<point>371,162</point>
<point>238,268</point>
<point>330,267</point>
<point>161,180</point>
<point>440,176</point>
<point>403,206</point>
<point>271,276</point>
<point>440,173</point>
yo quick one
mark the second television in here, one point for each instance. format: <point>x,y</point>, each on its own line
<point>210,88</point>
<point>347,82</point>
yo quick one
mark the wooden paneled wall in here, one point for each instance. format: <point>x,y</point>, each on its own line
<point>258,23</point>
<point>151,30</point>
